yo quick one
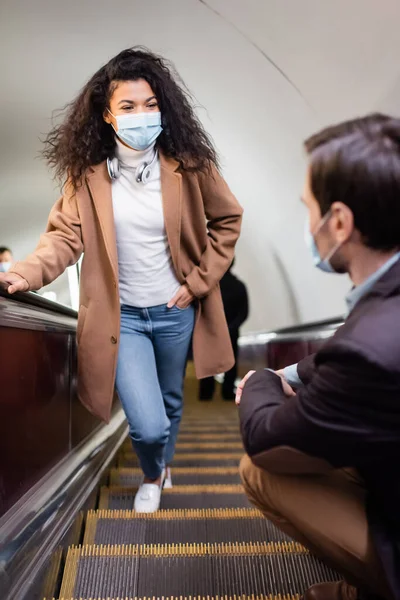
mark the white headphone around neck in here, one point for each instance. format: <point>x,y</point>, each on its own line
<point>143,171</point>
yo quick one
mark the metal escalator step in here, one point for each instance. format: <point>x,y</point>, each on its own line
<point>222,438</point>
<point>190,459</point>
<point>180,527</point>
<point>210,427</point>
<point>210,570</point>
<point>210,437</point>
<point>180,496</point>
<point>180,476</point>
<point>197,449</point>
<point>229,417</point>
<point>220,431</point>
<point>201,446</point>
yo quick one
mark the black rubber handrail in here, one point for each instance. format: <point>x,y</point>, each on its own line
<point>37,300</point>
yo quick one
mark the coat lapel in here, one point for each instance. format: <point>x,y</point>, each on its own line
<point>99,185</point>
<point>171,188</point>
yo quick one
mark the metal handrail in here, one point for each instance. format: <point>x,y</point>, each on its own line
<point>33,299</point>
<point>319,330</point>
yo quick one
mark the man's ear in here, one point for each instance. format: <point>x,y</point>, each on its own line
<point>344,221</point>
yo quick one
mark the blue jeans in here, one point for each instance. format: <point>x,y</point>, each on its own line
<point>154,344</point>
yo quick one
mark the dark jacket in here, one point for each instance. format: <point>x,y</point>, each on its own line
<point>348,413</point>
<point>235,299</point>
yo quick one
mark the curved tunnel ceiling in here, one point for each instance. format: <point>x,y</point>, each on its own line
<point>265,73</point>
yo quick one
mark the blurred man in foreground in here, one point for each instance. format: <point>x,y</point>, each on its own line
<point>323,461</point>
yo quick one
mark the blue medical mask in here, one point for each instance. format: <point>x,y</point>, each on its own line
<point>321,263</point>
<point>4,267</point>
<point>138,131</point>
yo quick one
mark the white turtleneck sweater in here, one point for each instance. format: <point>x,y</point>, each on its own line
<point>146,275</point>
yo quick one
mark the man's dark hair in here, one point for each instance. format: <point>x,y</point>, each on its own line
<point>4,249</point>
<point>358,163</point>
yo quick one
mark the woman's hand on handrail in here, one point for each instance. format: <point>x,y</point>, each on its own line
<point>12,283</point>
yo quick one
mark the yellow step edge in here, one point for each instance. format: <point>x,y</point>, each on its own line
<point>201,549</point>
<point>253,597</point>
<point>178,513</point>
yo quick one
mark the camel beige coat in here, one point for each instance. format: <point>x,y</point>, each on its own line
<point>202,219</point>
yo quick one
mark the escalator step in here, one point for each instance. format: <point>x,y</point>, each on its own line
<point>190,459</point>
<point>180,527</point>
<point>229,417</point>
<point>180,476</point>
<point>210,437</point>
<point>210,427</point>
<point>180,496</point>
<point>201,446</point>
<point>257,569</point>
<point>224,438</point>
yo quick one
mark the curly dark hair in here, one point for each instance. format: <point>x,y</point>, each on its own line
<point>83,139</point>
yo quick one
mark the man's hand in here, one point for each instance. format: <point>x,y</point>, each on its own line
<point>241,385</point>
<point>182,299</point>
<point>287,389</point>
<point>13,283</point>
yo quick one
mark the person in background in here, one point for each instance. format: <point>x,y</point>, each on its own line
<point>6,259</point>
<point>236,307</point>
<point>145,202</point>
<point>323,460</point>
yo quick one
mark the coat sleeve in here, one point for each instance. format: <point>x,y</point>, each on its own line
<point>224,215</point>
<point>59,247</point>
<point>306,369</point>
<point>339,417</point>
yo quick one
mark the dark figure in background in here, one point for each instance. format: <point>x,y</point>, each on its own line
<point>236,306</point>
<point>6,259</point>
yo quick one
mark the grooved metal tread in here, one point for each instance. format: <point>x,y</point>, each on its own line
<point>156,571</point>
<point>190,459</point>
<point>180,496</point>
<point>131,477</point>
<point>180,527</point>
<point>224,436</point>
<point>228,439</point>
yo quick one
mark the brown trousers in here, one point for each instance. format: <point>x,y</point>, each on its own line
<point>324,513</point>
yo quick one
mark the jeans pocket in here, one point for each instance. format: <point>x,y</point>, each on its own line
<point>182,309</point>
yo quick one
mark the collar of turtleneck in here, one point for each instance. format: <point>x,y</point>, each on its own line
<point>130,158</point>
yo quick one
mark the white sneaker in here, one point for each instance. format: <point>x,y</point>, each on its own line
<point>168,479</point>
<point>148,496</point>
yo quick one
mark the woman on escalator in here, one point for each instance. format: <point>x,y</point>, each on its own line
<point>144,201</point>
